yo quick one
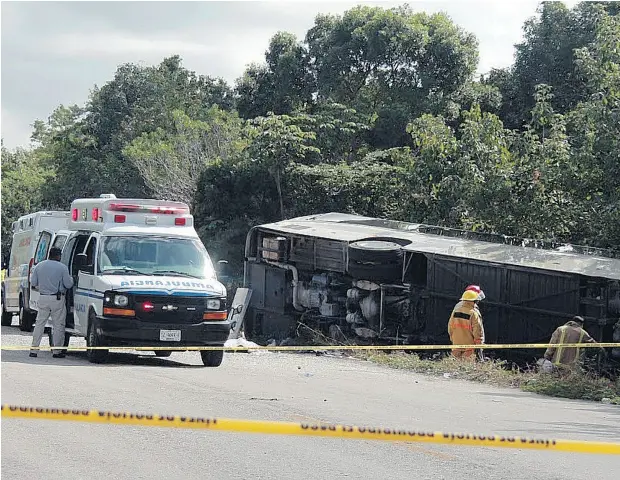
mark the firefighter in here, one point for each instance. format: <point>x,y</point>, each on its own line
<point>465,325</point>
<point>571,332</point>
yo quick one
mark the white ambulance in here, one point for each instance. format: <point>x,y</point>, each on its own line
<point>142,278</point>
<point>33,236</point>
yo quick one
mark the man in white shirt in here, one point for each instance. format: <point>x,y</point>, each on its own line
<point>52,279</point>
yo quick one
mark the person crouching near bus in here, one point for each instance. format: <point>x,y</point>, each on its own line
<point>465,325</point>
<point>571,332</point>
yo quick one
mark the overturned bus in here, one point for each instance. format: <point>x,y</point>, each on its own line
<point>397,282</point>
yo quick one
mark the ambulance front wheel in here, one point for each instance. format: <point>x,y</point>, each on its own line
<point>93,339</point>
<point>212,358</point>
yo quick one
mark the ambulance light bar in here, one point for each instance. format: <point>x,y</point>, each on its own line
<point>125,207</point>
<point>123,211</point>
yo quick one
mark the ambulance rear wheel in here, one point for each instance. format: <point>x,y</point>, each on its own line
<point>212,358</point>
<point>7,317</point>
<point>26,318</point>
<point>93,339</point>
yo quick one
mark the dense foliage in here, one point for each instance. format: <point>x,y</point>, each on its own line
<point>376,112</point>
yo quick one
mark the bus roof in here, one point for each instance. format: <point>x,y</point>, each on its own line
<point>453,243</point>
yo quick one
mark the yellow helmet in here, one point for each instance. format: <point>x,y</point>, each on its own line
<point>470,296</point>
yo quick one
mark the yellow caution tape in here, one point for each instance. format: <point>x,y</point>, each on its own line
<point>292,348</point>
<point>309,429</point>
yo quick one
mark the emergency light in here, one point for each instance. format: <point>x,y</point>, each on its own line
<point>148,306</point>
<point>132,208</point>
<point>96,213</point>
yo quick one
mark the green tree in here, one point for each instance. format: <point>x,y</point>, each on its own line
<point>594,131</point>
<point>547,56</point>
<point>277,142</point>
<point>172,162</point>
<point>23,178</point>
<point>281,86</point>
<point>390,62</point>
<point>141,99</point>
<point>340,132</point>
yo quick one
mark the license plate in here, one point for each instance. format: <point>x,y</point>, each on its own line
<point>170,335</point>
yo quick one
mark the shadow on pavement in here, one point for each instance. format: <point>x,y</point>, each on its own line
<point>14,330</point>
<point>79,359</point>
<point>570,428</point>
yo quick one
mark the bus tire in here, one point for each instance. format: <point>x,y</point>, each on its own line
<point>377,251</point>
<point>389,273</point>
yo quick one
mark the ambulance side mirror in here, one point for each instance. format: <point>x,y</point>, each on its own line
<point>223,269</point>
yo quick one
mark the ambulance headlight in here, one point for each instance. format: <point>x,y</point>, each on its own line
<point>213,304</point>
<point>121,300</point>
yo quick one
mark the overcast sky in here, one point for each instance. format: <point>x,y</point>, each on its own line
<point>54,52</point>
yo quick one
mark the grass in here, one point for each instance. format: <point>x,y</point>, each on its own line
<point>574,385</point>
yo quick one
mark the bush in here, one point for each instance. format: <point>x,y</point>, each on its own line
<point>582,386</point>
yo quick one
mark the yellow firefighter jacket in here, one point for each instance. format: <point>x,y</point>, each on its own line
<point>465,327</point>
<point>571,332</point>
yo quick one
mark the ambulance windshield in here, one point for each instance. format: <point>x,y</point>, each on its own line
<point>146,255</point>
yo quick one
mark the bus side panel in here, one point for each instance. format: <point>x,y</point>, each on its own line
<point>271,294</point>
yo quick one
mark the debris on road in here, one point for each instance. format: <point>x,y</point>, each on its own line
<point>242,342</point>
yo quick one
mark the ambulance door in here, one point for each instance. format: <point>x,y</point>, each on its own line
<point>85,294</point>
<point>43,246</point>
<point>74,244</point>
<point>42,253</point>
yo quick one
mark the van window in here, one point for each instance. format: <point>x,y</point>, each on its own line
<point>67,253</point>
<point>90,251</point>
<point>74,246</point>
<point>42,247</point>
<point>59,241</point>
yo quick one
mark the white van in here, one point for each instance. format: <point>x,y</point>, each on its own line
<point>142,278</point>
<point>33,236</point>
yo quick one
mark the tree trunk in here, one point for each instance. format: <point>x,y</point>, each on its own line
<point>279,187</point>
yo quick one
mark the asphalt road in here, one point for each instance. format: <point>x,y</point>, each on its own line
<point>279,386</point>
